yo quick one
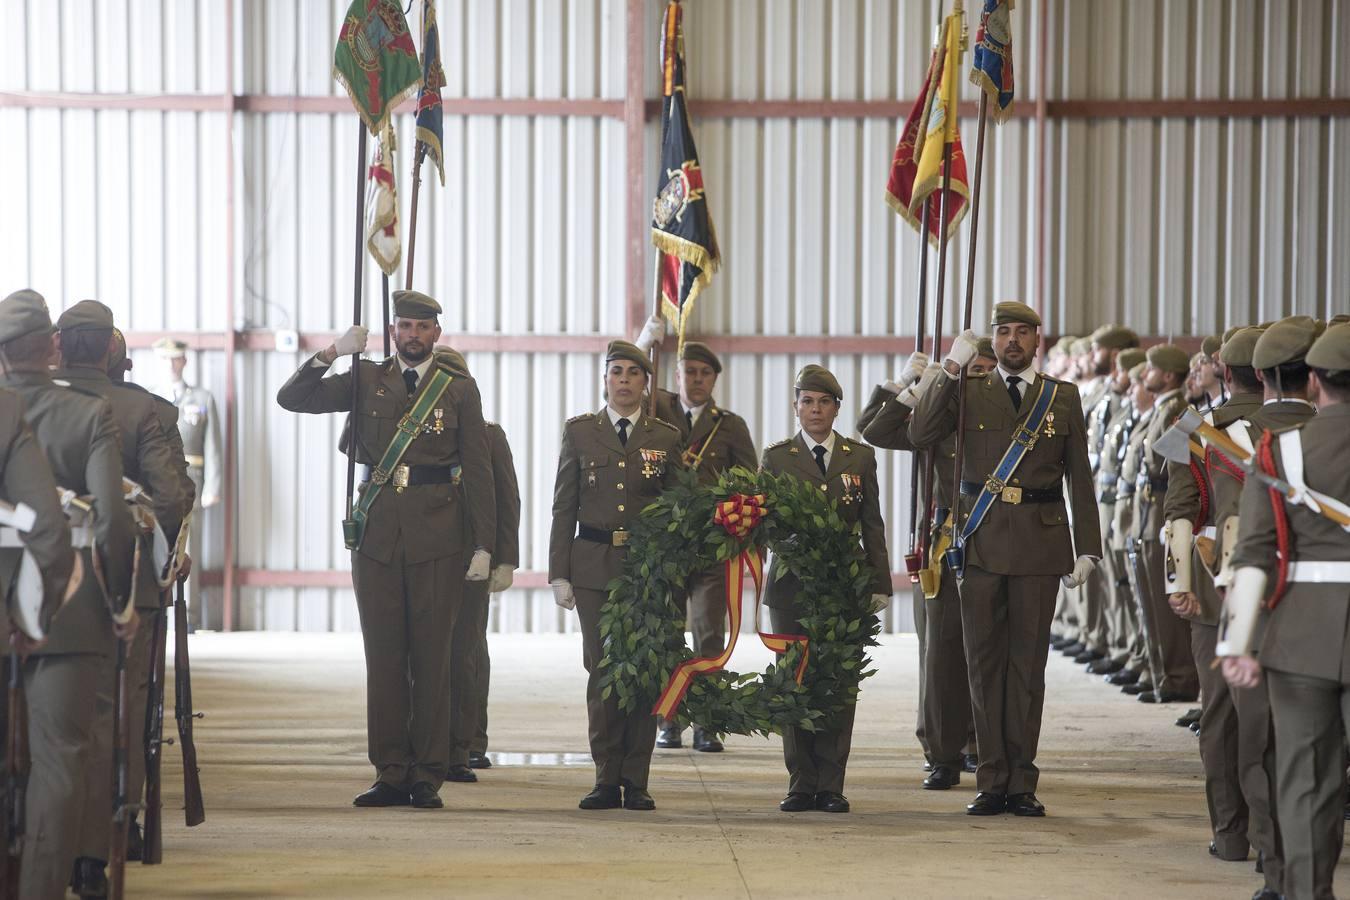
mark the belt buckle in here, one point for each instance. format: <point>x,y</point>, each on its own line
<point>618,538</point>
<point>400,478</point>
<point>1011,495</point>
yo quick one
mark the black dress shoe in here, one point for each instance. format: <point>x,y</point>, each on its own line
<point>460,773</point>
<point>1213,849</point>
<point>668,738</point>
<point>1073,649</point>
<point>1175,697</point>
<point>479,761</point>
<point>1190,718</point>
<point>1055,636</point>
<point>831,802</point>
<point>381,794</point>
<point>602,796</point>
<point>424,796</point>
<point>928,767</point>
<point>1266,893</point>
<point>943,778</point>
<point>1060,643</point>
<point>706,741</point>
<point>987,804</point>
<point>1139,687</point>
<point>1195,729</point>
<point>1105,666</point>
<point>135,842</point>
<point>797,801</point>
<point>1025,805</point>
<point>970,763</point>
<point>637,798</point>
<point>1123,677</point>
<point>1146,697</point>
<point>88,879</point>
<point>1088,656</point>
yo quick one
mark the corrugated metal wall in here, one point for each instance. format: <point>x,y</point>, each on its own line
<point>1174,226</point>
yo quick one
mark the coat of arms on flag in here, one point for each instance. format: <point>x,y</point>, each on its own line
<point>376,60</point>
<point>382,238</point>
<point>430,113</point>
<point>992,66</point>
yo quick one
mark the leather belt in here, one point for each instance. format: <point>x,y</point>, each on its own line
<point>1107,496</point>
<point>406,476</point>
<point>1016,495</point>
<point>1320,572</point>
<point>81,537</point>
<point>616,538</point>
<point>1158,483</point>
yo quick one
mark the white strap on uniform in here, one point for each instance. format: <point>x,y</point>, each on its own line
<point>1320,572</point>
<point>1209,531</point>
<point>1242,437</point>
<point>1291,455</point>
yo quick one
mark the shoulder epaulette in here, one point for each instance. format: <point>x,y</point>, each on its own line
<point>1287,428</point>
<point>782,443</point>
<point>581,418</point>
<point>663,423</point>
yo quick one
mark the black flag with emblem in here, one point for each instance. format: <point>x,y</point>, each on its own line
<point>682,228</point>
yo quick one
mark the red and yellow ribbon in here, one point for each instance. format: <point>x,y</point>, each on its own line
<point>739,515</point>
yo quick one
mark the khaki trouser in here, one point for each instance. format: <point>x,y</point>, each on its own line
<point>946,700</point>
<point>1170,657</point>
<point>1219,749</point>
<point>1310,716</point>
<point>920,606</point>
<point>621,743</point>
<point>816,760</point>
<point>1257,760</point>
<point>60,692</point>
<point>407,615</point>
<point>469,674</point>
<point>1006,620</point>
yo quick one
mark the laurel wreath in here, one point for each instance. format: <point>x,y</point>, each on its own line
<point>643,627</point>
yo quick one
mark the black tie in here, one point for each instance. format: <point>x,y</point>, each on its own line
<point>819,451</point>
<point>1013,393</point>
<point>623,431</point>
<point>410,379</point>
<point>689,417</point>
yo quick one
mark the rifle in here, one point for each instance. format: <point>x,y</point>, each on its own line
<point>194,810</point>
<point>122,813</point>
<point>17,763</point>
<point>153,852</point>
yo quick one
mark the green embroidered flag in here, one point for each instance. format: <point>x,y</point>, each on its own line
<point>376,60</point>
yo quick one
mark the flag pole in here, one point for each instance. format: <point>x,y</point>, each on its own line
<point>970,302</point>
<point>418,154</point>
<point>656,347</point>
<point>356,305</point>
<point>930,475</point>
<point>914,558</point>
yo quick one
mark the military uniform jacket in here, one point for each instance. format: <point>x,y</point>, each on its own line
<point>887,427</point>
<point>1308,633</point>
<point>604,484</point>
<point>199,428</point>
<point>430,521</point>
<point>1150,472</point>
<point>730,446</point>
<point>25,477</point>
<point>1116,442</point>
<point>1023,538</point>
<point>1100,417</point>
<point>1127,510</point>
<point>168,422</point>
<point>1222,490</point>
<point>80,439</point>
<point>507,491</point>
<point>850,483</point>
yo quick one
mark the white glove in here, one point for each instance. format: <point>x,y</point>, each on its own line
<point>910,395</point>
<point>502,576</point>
<point>653,333</point>
<point>915,366</point>
<point>480,567</point>
<point>964,349</point>
<point>1082,568</point>
<point>879,602</point>
<point>354,341</point>
<point>562,593</point>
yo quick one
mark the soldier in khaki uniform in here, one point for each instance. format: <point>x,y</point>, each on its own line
<point>431,527</point>
<point>1023,550</point>
<point>612,464</point>
<point>946,727</point>
<point>846,472</point>
<point>1291,611</point>
<point>80,439</point>
<point>716,440</point>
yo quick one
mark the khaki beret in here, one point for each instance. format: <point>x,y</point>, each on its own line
<point>1009,311</point>
<point>1169,358</point>
<point>1130,357</point>
<point>1341,319</point>
<point>629,351</point>
<point>87,315</point>
<point>699,352</point>
<point>117,353</point>
<point>1332,350</point>
<point>453,358</point>
<point>1229,334</point>
<point>1115,337</point>
<point>985,347</point>
<point>1063,344</point>
<point>1210,345</point>
<point>415,305</point>
<point>1081,346</point>
<point>168,348</point>
<point>22,313</point>
<point>1288,340</point>
<point>1238,348</point>
<point>1137,372</point>
<point>818,378</point>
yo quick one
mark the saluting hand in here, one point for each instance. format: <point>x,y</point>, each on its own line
<point>915,366</point>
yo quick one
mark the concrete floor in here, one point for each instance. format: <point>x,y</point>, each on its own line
<point>282,752</point>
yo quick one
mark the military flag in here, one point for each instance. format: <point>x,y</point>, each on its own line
<point>992,66</point>
<point>376,60</point>
<point>382,238</point>
<point>429,110</point>
<point>917,166</point>
<point>682,228</point>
